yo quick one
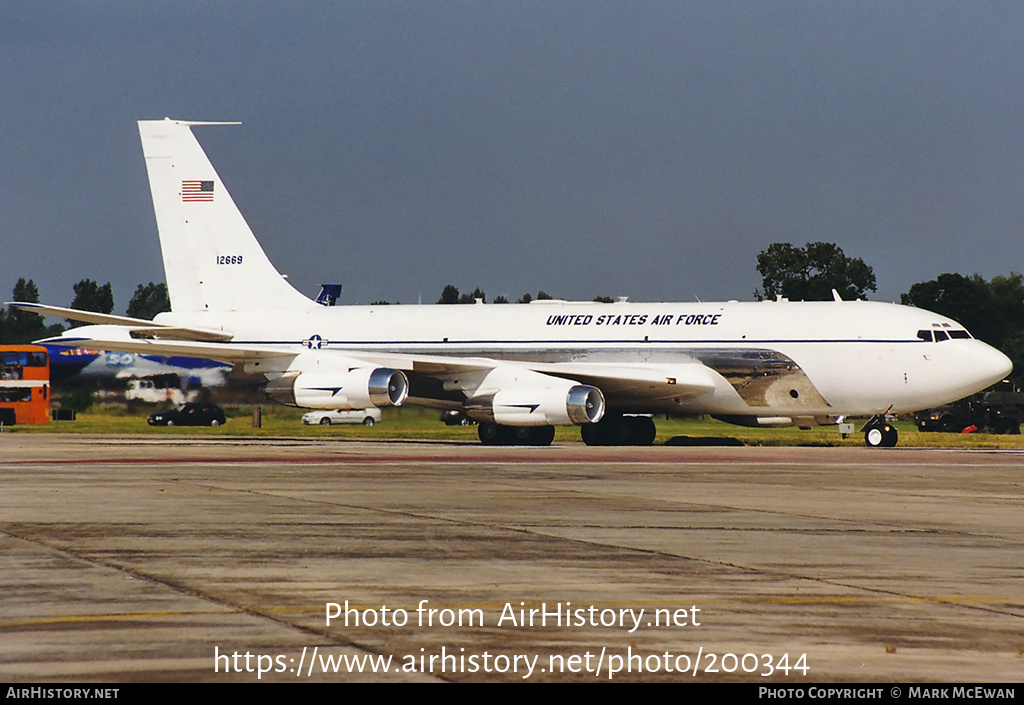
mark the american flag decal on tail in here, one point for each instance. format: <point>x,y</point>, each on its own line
<point>196,191</point>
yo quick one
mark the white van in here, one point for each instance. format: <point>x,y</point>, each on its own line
<point>155,392</point>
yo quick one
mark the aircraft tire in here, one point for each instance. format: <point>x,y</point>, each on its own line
<point>542,435</point>
<point>529,435</point>
<point>620,431</point>
<point>519,435</point>
<point>881,436</point>
<point>644,430</point>
<point>611,430</point>
<point>591,435</point>
<point>492,434</point>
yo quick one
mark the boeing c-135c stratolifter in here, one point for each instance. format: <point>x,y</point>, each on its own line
<point>521,370</point>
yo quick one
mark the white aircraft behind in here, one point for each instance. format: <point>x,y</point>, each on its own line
<point>520,370</point>
<point>83,364</point>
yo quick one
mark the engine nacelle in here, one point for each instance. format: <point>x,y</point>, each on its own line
<point>554,406</point>
<point>356,389</point>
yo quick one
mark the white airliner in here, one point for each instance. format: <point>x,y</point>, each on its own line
<point>83,364</point>
<point>519,369</point>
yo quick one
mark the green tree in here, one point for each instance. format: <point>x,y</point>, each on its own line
<point>541,296</point>
<point>967,300</point>
<point>16,326</point>
<point>471,298</point>
<point>1008,293</point>
<point>90,296</point>
<point>26,291</point>
<point>810,273</point>
<point>149,300</point>
<point>23,326</point>
<point>450,295</point>
<point>993,311</point>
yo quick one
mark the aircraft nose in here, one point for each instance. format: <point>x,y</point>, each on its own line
<point>991,365</point>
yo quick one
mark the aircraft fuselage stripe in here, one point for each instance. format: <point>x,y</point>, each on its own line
<point>334,343</point>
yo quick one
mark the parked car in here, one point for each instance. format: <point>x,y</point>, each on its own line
<point>326,417</point>
<point>189,414</point>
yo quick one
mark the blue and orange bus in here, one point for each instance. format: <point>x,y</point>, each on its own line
<point>24,384</point>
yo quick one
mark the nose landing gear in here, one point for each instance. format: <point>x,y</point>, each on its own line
<point>879,433</point>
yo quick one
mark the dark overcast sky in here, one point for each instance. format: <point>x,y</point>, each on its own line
<point>648,149</point>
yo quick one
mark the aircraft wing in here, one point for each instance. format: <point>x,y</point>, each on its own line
<point>622,382</point>
<point>443,378</point>
<point>618,382</point>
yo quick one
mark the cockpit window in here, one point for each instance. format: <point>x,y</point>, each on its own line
<point>940,335</point>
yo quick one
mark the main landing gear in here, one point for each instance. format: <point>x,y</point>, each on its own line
<point>878,433</point>
<point>612,430</point>
<point>618,430</point>
<point>492,434</point>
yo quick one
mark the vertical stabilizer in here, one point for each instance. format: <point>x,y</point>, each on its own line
<point>212,260</point>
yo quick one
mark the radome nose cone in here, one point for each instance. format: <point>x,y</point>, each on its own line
<point>993,365</point>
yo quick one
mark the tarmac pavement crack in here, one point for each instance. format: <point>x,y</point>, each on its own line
<point>747,569</point>
<point>180,587</point>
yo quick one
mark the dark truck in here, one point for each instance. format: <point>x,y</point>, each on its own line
<point>1000,411</point>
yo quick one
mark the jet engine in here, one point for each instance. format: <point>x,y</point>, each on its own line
<point>354,389</point>
<point>560,405</point>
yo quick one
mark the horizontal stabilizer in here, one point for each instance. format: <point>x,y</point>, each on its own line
<point>119,338</point>
<point>135,325</point>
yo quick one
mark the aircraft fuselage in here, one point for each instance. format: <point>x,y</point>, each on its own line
<point>860,358</point>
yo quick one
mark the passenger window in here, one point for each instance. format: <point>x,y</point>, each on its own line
<point>925,335</point>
